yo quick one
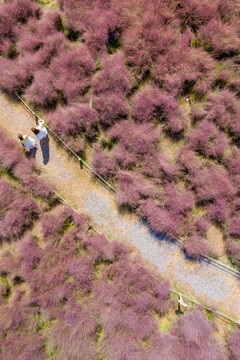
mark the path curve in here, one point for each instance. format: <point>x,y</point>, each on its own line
<point>202,280</point>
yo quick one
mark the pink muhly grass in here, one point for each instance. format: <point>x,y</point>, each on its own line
<point>195,336</point>
<point>234,226</point>
<point>6,194</point>
<point>73,118</point>
<point>188,160</point>
<point>42,91</point>
<point>15,12</point>
<point>113,78</point>
<point>219,211</point>
<point>178,203</point>
<point>23,211</point>
<point>196,13</point>
<point>124,158</point>
<point>10,153</point>
<point>202,225</point>
<point>132,187</point>
<point>221,39</point>
<point>51,224</point>
<point>196,247</point>
<point>35,184</point>
<point>233,162</point>
<point>189,333</point>
<point>71,70</point>
<point>49,23</point>
<point>208,140</point>
<point>234,344</point>
<point>159,218</point>
<point>29,254</point>
<point>224,109</point>
<point>82,271</point>
<point>6,47</point>
<point>13,75</point>
<point>137,139</point>
<point>111,107</point>
<point>160,167</point>
<point>104,164</point>
<point>214,183</point>
<point>146,104</point>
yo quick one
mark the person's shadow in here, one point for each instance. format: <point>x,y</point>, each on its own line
<point>44,144</point>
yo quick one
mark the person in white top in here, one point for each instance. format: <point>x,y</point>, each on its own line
<point>40,131</point>
<point>42,135</point>
<point>28,143</point>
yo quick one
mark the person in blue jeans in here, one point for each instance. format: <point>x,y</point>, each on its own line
<point>42,135</point>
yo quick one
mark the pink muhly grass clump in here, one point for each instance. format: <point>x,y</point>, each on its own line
<point>6,47</point>
<point>113,78</point>
<point>51,47</point>
<point>195,338</point>
<point>51,224</point>
<point>72,119</point>
<point>160,167</point>
<point>196,13</point>
<point>220,39</point>
<point>196,247</point>
<point>223,108</point>
<point>137,139</point>
<point>233,162</point>
<point>14,13</point>
<point>49,23</point>
<point>104,164</point>
<point>234,344</point>
<point>71,70</point>
<point>146,104</point>
<point>202,225</point>
<point>153,26</point>
<point>132,187</point>
<point>208,140</point>
<point>188,160</point>
<point>29,254</point>
<point>21,215</point>
<point>10,153</point>
<point>13,75</point>
<point>82,271</point>
<point>95,21</point>
<point>125,159</point>
<point>111,107</point>
<point>219,211</point>
<point>178,203</point>
<point>6,195</point>
<point>159,218</point>
<point>234,226</point>
<point>35,184</point>
<point>42,91</point>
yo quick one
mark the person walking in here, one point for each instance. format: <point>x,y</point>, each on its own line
<point>42,135</point>
<point>28,143</point>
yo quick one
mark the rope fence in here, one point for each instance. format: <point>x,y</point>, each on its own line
<point>83,163</point>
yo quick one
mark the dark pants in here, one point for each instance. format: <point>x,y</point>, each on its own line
<point>44,144</point>
<point>32,152</point>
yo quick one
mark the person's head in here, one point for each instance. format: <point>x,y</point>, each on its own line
<point>35,130</point>
<point>20,137</point>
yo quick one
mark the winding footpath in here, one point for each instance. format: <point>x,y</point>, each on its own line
<point>201,280</point>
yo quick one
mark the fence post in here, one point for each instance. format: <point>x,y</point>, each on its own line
<point>81,164</point>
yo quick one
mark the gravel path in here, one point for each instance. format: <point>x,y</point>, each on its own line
<point>200,279</point>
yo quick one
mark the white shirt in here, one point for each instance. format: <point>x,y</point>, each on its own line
<point>43,131</point>
<point>28,142</point>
